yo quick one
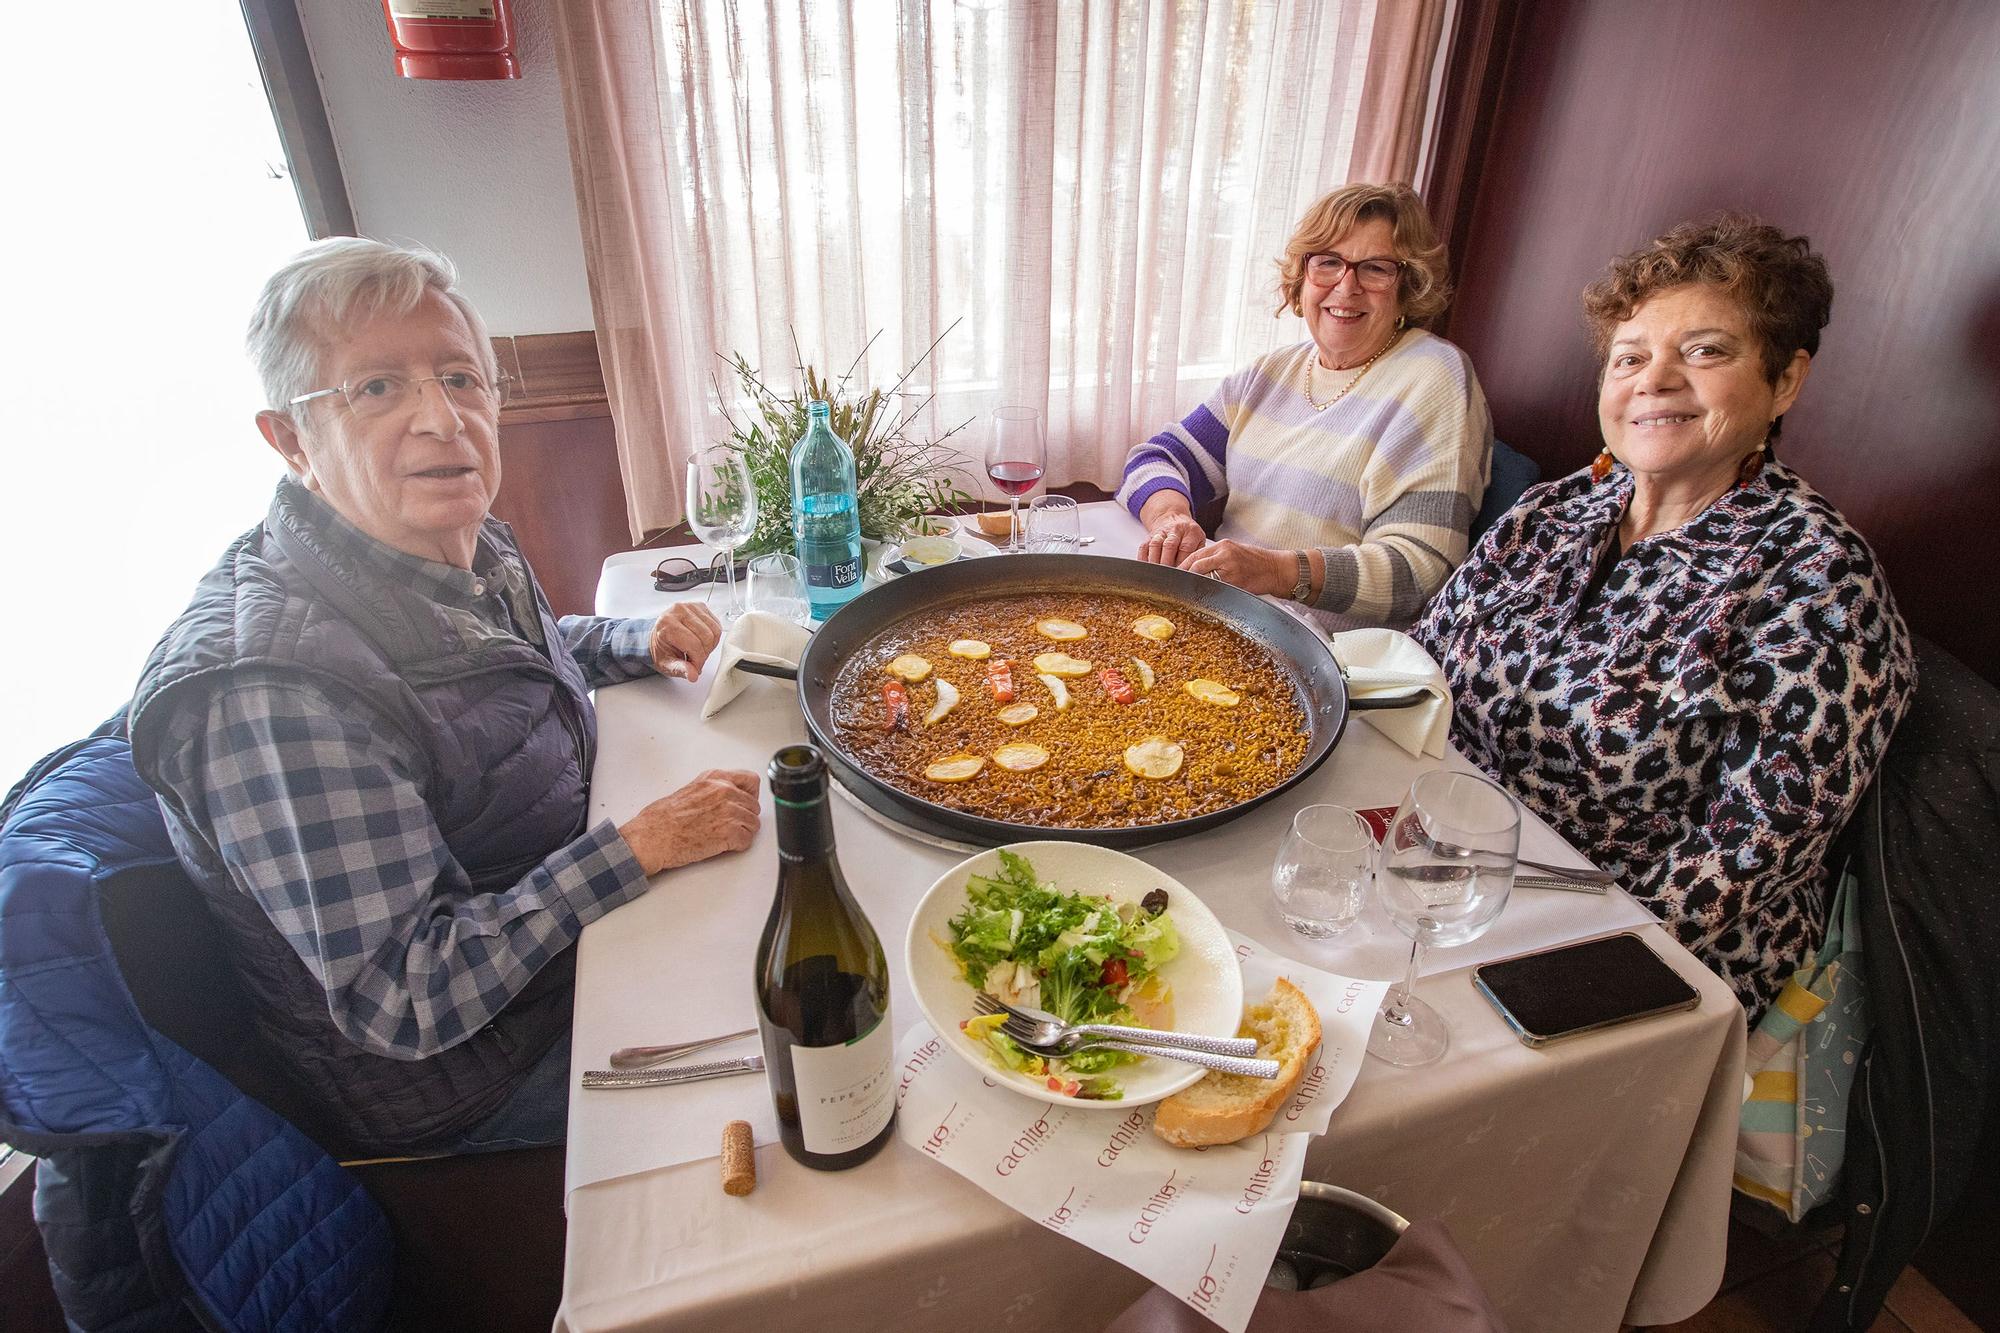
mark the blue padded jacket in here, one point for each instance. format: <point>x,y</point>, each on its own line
<point>165,1196</point>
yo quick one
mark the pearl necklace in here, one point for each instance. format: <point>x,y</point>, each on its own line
<point>1312,363</point>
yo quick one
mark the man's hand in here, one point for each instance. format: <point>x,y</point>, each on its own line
<point>683,637</point>
<point>1255,569</point>
<point>715,813</point>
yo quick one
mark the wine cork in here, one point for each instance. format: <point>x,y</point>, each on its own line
<point>739,1159</point>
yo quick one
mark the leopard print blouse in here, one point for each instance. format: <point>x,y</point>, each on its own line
<point>1704,725</point>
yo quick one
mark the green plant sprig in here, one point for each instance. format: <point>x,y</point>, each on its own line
<point>899,477</point>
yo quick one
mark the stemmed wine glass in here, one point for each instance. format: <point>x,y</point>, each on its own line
<point>1447,868</point>
<point>1016,454</point>
<point>722,511</point>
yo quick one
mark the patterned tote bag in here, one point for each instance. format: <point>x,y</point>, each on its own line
<point>1802,1060</point>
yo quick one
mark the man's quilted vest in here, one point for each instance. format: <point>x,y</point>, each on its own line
<point>508,733</point>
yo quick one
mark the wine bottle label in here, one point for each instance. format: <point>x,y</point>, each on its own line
<point>845,1093</point>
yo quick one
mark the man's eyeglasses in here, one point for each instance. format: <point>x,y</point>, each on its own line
<point>386,395</point>
<point>678,573</point>
<point>1374,275</point>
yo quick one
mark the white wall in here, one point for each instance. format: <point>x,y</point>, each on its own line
<point>478,170</point>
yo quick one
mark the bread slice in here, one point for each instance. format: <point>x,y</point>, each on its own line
<point>994,523</point>
<point>1223,1108</point>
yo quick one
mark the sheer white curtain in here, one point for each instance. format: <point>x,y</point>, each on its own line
<point>1081,201</point>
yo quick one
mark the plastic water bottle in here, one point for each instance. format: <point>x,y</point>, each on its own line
<point>826,525</point>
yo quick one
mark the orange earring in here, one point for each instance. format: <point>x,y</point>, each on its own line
<point>1600,467</point>
<point>1753,463</point>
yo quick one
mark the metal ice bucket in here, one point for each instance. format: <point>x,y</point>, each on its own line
<point>1333,1233</point>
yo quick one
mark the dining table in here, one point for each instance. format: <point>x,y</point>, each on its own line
<point>1586,1182</point>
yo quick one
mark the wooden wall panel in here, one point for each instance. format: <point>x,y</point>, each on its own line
<point>1873,129</point>
<point>560,488</point>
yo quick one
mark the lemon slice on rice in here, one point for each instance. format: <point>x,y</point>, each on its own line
<point>1021,756</point>
<point>1213,692</point>
<point>955,768</point>
<point>1155,757</point>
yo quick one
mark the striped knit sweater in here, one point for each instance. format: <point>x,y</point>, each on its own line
<point>1384,482</point>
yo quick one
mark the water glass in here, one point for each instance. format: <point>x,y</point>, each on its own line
<point>778,587</point>
<point>1320,878</point>
<point>1053,524</point>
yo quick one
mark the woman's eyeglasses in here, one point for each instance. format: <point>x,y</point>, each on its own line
<point>1375,275</point>
<point>678,573</point>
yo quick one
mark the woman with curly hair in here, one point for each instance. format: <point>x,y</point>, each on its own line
<point>1682,656</point>
<point>1346,469</point>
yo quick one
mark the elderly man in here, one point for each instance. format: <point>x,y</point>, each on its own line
<point>372,739</point>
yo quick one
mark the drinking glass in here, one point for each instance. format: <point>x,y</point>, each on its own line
<point>1447,866</point>
<point>1322,870</point>
<point>722,511</point>
<point>778,587</point>
<point>1016,454</point>
<point>1053,523</point>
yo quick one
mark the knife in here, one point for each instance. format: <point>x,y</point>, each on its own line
<point>1558,882</point>
<point>657,1078</point>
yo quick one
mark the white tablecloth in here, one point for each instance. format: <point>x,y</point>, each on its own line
<point>1587,1183</point>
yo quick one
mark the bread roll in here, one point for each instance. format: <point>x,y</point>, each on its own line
<point>994,524</point>
<point>1223,1108</point>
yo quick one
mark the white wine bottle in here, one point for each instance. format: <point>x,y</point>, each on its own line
<point>822,986</point>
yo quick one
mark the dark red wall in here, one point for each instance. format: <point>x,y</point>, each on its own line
<point>1872,128</point>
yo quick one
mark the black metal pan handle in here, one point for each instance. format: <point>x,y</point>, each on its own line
<point>1360,703</point>
<point>771,669</point>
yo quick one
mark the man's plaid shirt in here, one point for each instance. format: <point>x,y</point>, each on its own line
<point>308,801</point>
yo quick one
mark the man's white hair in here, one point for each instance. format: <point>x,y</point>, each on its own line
<point>333,283</point>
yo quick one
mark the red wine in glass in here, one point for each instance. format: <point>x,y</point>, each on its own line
<point>1016,454</point>
<point>1014,478</point>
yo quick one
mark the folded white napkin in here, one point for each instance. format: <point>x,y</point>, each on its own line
<point>1384,661</point>
<point>759,638</point>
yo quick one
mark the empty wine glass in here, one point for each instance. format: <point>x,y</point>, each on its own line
<point>778,587</point>
<point>1016,454</point>
<point>1447,866</point>
<point>1053,524</point>
<point>722,511</point>
<point>1321,871</point>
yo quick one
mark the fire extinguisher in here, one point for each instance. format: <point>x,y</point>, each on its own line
<point>452,39</point>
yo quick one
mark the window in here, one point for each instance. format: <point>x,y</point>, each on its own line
<point>1089,197</point>
<point>151,201</point>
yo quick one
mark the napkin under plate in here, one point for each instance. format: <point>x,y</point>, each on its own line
<point>755,637</point>
<point>1386,661</point>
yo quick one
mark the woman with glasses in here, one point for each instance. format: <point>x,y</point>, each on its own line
<point>372,739</point>
<point>1342,472</point>
<point>1682,657</point>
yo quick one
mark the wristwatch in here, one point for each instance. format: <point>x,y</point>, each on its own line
<point>1302,591</point>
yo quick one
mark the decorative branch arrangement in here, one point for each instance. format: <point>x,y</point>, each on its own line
<point>899,476</point>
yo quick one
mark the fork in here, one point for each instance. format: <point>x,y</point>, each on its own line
<point>639,1057</point>
<point>1582,874</point>
<point>1076,1044</point>
<point>1041,1028</point>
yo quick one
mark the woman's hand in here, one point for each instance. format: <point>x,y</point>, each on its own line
<point>1255,569</point>
<point>683,637</point>
<point>1171,532</point>
<point>715,813</point>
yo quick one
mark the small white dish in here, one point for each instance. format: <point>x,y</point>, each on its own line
<point>931,550</point>
<point>1206,978</point>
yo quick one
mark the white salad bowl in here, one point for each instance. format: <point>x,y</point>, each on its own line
<point>1206,979</point>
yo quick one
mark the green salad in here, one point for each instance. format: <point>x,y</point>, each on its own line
<point>1084,959</point>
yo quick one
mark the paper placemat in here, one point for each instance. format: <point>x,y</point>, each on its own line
<point>1203,1224</point>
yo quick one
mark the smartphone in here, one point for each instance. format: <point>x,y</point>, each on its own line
<point>1575,988</point>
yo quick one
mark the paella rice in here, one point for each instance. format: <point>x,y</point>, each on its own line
<point>1239,732</point>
